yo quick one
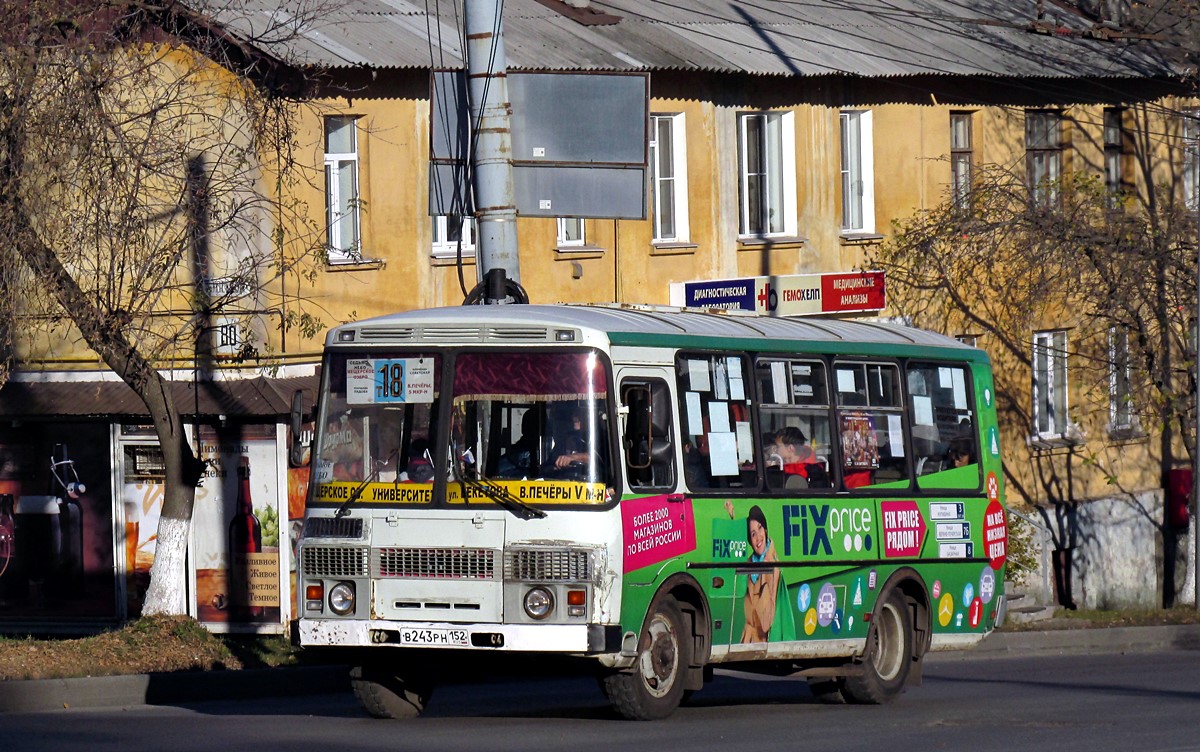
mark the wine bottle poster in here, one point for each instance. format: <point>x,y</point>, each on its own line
<point>236,528</point>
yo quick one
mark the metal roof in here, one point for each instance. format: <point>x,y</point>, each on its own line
<point>873,38</point>
<point>236,398</point>
<point>518,324</point>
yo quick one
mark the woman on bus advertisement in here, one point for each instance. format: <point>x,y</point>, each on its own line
<point>762,587</point>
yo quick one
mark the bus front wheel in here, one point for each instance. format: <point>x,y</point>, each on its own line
<point>888,655</point>
<point>386,692</point>
<point>653,687</point>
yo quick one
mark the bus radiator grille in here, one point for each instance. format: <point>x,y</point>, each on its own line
<point>436,563</point>
<point>333,527</point>
<point>334,561</point>
<point>547,566</point>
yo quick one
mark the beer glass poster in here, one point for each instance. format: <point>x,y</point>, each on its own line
<point>236,528</point>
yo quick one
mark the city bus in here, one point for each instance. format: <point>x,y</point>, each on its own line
<point>649,493</point>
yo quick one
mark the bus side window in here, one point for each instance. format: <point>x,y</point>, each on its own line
<point>649,450</point>
<point>797,431</point>
<point>714,412</point>
<point>944,428</point>
<point>871,420</point>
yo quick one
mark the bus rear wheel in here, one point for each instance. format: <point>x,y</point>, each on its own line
<point>888,655</point>
<point>653,687</point>
<point>386,692</point>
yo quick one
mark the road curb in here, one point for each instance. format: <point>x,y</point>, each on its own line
<point>169,688</point>
<point>1075,641</point>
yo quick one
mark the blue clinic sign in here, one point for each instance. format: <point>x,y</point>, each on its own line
<point>724,293</point>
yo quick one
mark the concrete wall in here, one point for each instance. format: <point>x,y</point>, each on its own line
<point>1117,562</point>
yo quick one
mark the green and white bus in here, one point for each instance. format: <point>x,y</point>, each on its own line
<point>651,491</point>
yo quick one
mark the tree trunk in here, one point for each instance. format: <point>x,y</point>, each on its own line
<point>104,334</point>
<point>1187,592</point>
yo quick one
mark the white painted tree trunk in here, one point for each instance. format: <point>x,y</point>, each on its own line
<point>168,577</point>
<point>1187,593</point>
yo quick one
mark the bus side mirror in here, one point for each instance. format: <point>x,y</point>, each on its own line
<point>300,441</point>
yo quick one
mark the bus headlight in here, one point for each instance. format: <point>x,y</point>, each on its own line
<point>539,603</point>
<point>341,598</point>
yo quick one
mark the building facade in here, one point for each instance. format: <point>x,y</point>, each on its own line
<point>780,141</point>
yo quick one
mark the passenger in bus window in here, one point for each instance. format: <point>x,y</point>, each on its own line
<point>521,459</point>
<point>420,468</point>
<point>695,467</point>
<point>959,453</point>
<point>570,447</point>
<point>762,585</point>
<point>791,445</point>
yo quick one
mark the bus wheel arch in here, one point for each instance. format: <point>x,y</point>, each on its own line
<point>897,640</point>
<point>690,597</point>
<point>673,646</point>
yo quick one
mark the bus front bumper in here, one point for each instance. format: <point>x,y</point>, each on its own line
<point>569,639</point>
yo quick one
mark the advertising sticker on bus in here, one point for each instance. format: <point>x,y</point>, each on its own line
<point>372,381</point>
<point>995,535</point>
<point>656,529</point>
<point>903,528</point>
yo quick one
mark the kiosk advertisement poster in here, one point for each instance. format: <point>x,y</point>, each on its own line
<point>142,499</point>
<point>56,544</point>
<point>236,528</point>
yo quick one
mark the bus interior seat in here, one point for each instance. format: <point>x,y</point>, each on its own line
<point>928,449</point>
<point>795,481</point>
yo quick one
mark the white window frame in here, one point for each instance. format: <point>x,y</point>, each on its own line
<point>962,157</point>
<point>443,246</point>
<point>675,164</point>
<point>572,232</point>
<point>1121,416</point>
<point>1049,389</point>
<point>778,149</point>
<point>857,172</point>
<point>342,213</point>
<point>1190,132</point>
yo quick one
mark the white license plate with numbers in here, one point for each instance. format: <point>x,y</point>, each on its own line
<point>434,637</point>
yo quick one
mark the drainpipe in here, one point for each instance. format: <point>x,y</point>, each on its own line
<point>491,157</point>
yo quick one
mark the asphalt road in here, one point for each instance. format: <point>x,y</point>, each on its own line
<point>1059,698</point>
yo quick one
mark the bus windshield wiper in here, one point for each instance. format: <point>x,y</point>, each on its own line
<point>502,497</point>
<point>464,468</point>
<point>344,507</point>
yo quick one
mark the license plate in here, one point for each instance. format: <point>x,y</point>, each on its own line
<point>455,637</point>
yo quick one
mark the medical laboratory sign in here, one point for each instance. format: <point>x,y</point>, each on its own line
<point>787,295</point>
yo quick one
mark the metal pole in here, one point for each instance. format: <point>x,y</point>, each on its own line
<point>491,157</point>
<point>1195,505</point>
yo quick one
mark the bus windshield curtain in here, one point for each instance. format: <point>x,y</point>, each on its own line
<point>548,377</point>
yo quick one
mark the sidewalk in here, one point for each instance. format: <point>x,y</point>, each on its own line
<point>170,688</point>
<point>166,689</point>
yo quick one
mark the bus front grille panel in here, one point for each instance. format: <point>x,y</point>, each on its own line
<point>436,563</point>
<point>547,566</point>
<point>519,333</point>
<point>452,333</point>
<point>389,333</point>
<point>334,561</point>
<point>333,527</point>
<point>449,334</point>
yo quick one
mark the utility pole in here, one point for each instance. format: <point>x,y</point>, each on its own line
<point>491,155</point>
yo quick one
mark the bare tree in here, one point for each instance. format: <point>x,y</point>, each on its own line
<point>1111,263</point>
<point>142,154</point>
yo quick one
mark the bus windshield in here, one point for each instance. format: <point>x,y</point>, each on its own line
<point>379,419</point>
<point>530,416</point>
<point>516,417</point>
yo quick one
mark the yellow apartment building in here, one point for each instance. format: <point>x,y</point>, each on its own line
<point>780,141</point>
